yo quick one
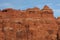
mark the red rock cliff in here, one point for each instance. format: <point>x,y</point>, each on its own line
<point>30,24</point>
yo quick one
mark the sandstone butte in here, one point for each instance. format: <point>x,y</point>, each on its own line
<point>29,24</point>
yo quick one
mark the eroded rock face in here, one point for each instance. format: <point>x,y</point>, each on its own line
<point>30,24</point>
<point>58,22</point>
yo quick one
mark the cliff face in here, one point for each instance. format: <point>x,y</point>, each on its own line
<point>30,24</point>
<point>58,22</point>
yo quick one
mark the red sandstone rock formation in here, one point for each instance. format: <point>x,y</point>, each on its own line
<point>58,22</point>
<point>30,24</point>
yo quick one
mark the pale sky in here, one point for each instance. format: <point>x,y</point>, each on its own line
<point>24,4</point>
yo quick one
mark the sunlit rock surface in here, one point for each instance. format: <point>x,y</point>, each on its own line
<point>29,24</point>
